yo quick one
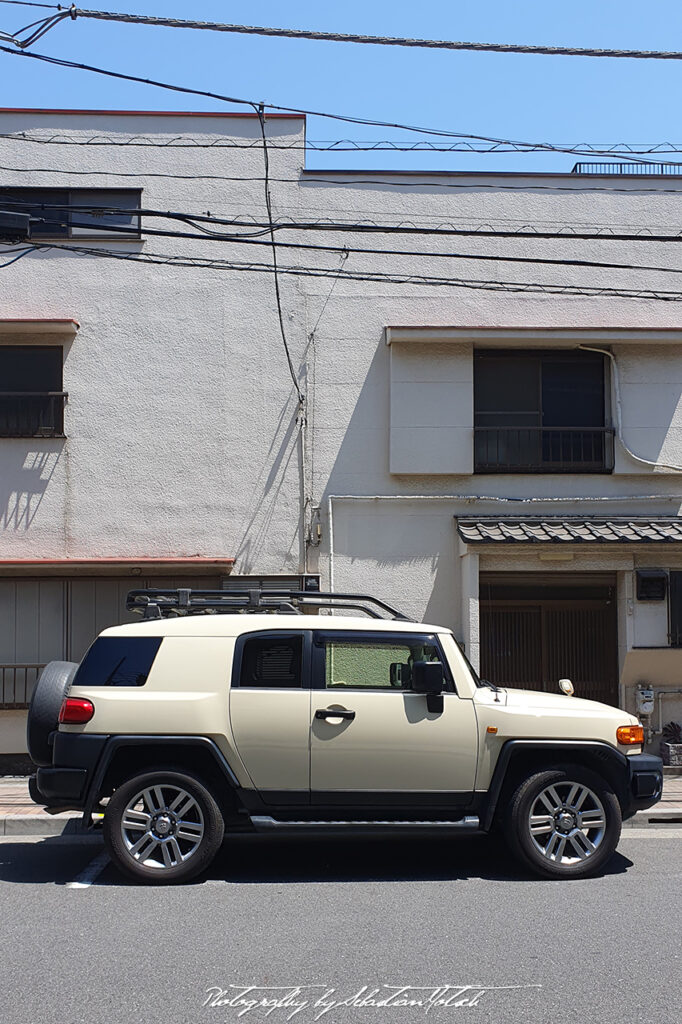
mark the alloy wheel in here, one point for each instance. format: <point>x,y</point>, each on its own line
<point>162,826</point>
<point>567,823</point>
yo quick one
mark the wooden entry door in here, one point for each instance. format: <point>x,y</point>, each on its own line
<point>533,643</point>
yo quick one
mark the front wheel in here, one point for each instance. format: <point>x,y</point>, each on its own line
<point>564,822</point>
<point>163,827</point>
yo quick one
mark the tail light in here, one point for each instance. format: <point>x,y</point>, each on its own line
<point>630,735</point>
<point>76,711</point>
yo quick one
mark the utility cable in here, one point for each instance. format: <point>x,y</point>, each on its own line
<point>186,90</point>
<point>347,250</point>
<point>203,263</point>
<point>606,149</point>
<point>619,414</point>
<point>260,110</point>
<point>568,232</point>
<point>347,37</point>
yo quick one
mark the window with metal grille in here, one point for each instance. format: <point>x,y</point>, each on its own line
<point>273,662</point>
<point>75,212</point>
<point>541,412</point>
<point>31,396</point>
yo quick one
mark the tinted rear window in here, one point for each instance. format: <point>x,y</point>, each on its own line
<point>118,661</point>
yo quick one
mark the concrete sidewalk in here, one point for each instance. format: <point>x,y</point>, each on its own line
<point>19,816</point>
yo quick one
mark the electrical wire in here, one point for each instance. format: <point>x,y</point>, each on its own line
<point>346,250</point>
<point>608,149</point>
<point>186,90</point>
<point>170,259</point>
<point>346,37</point>
<point>21,254</point>
<point>310,181</point>
<point>278,298</point>
<point>25,3</point>
<point>568,233</point>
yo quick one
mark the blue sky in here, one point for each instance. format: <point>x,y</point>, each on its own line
<point>537,98</point>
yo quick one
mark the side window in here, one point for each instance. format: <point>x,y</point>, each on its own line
<point>273,662</point>
<point>118,661</point>
<point>375,664</point>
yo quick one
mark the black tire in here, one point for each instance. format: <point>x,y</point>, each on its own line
<point>118,839</point>
<point>43,712</point>
<point>557,849</point>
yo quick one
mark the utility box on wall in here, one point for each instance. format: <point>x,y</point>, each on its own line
<point>652,584</point>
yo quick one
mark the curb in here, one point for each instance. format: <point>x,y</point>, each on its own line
<point>655,816</point>
<point>66,823</point>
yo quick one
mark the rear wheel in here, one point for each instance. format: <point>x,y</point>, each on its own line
<point>163,827</point>
<point>564,822</point>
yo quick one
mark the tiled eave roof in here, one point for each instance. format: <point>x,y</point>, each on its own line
<point>569,530</point>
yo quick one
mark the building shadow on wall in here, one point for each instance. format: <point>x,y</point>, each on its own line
<point>265,494</point>
<point>26,469</point>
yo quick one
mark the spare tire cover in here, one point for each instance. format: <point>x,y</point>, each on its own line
<point>43,712</point>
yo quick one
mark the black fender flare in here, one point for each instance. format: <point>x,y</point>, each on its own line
<point>597,750</point>
<point>115,743</point>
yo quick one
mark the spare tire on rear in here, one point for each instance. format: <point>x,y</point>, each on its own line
<point>43,712</point>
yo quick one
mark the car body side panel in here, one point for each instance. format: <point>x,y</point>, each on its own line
<point>271,731</point>
<point>186,694</point>
<point>394,744</point>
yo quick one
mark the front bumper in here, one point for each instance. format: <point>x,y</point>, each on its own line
<point>645,784</point>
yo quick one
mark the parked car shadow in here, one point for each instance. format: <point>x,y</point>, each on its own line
<point>274,859</point>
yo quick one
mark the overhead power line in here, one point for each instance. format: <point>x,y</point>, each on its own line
<point>357,250</point>
<point>274,245</point>
<point>170,259</point>
<point>606,149</point>
<point>186,90</point>
<point>313,177</point>
<point>352,37</point>
<point>568,233</point>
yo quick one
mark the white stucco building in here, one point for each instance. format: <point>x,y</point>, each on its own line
<point>463,452</point>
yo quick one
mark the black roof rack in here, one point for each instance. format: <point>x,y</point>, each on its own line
<point>157,604</point>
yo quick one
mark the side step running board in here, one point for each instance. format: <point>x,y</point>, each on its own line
<point>266,823</point>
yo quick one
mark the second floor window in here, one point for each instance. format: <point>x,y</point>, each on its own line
<point>76,212</point>
<point>31,396</point>
<point>541,412</point>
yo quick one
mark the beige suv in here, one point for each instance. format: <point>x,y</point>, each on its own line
<point>225,712</point>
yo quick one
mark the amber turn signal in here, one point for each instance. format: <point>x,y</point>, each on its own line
<point>630,734</point>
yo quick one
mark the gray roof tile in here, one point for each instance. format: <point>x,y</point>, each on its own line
<point>569,530</point>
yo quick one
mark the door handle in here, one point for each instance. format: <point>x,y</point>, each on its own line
<point>335,713</point>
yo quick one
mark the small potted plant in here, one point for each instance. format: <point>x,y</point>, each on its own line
<point>671,744</point>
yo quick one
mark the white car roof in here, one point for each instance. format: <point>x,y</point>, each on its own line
<point>234,625</point>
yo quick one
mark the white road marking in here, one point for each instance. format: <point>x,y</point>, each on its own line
<point>664,832</point>
<point>89,874</point>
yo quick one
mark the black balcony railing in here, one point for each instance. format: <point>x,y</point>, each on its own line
<point>543,450</point>
<point>17,683</point>
<point>32,413</point>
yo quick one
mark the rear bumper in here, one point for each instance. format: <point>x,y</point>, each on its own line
<point>65,783</point>
<point>645,784</point>
<point>59,787</point>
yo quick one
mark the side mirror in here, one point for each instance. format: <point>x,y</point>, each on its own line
<point>427,677</point>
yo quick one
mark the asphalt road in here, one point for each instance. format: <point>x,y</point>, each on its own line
<point>322,922</point>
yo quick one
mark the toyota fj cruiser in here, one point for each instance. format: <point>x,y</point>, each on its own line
<point>201,720</point>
